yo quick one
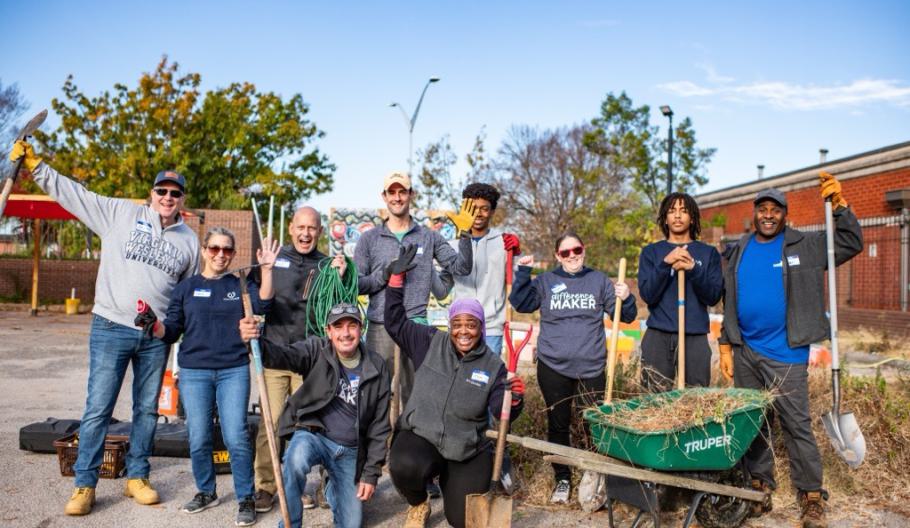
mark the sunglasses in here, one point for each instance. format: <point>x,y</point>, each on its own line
<point>577,250</point>
<point>344,308</point>
<point>214,250</point>
<point>175,193</point>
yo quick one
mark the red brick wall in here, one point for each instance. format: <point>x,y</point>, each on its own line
<point>56,277</point>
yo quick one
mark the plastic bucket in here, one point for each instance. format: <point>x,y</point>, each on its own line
<point>72,306</point>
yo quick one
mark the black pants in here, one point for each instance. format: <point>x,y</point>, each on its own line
<point>659,360</point>
<point>413,462</point>
<point>752,370</point>
<point>559,393</point>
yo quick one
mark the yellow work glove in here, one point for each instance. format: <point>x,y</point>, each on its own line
<point>20,149</point>
<point>831,187</point>
<point>726,360</point>
<point>465,217</point>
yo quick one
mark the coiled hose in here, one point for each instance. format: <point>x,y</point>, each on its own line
<point>329,289</point>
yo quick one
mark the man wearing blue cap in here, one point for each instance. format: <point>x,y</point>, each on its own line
<point>145,251</point>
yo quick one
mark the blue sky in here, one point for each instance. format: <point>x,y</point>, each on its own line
<point>764,82</point>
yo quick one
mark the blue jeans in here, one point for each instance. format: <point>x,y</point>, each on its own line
<point>306,450</point>
<point>229,388</point>
<point>495,343</point>
<point>112,347</point>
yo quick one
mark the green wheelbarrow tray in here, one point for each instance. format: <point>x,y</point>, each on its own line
<point>711,445</point>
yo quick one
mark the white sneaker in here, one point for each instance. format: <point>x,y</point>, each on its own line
<point>561,492</point>
<point>592,491</point>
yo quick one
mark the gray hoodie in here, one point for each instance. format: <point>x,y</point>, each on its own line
<point>487,280</point>
<point>139,259</point>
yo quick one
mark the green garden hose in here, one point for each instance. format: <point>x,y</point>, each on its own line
<point>329,289</point>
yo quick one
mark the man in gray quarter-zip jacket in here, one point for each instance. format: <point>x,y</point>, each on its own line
<point>145,251</point>
<point>379,246</point>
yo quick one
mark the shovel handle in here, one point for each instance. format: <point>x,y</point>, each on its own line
<point>681,316</point>
<point>504,416</point>
<point>614,336</point>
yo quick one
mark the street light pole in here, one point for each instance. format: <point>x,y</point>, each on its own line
<point>665,110</point>
<point>412,121</point>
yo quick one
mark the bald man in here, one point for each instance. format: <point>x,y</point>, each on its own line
<point>293,275</point>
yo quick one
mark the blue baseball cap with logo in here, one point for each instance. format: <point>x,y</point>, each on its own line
<point>171,176</point>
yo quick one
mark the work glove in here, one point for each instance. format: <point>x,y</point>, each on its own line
<point>831,187</point>
<point>511,243</point>
<point>146,318</point>
<point>726,360</point>
<point>21,149</point>
<point>465,217</point>
<point>395,271</point>
<point>517,386</point>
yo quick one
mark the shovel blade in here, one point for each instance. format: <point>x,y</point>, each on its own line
<point>846,437</point>
<point>488,510</point>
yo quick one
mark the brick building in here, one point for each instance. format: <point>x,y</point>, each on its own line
<point>873,286</point>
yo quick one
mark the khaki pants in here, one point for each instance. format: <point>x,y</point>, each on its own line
<point>279,384</point>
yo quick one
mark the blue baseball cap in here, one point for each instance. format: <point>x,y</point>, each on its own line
<point>171,176</point>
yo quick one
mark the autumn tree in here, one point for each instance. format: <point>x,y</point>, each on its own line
<point>230,143</point>
<point>437,187</point>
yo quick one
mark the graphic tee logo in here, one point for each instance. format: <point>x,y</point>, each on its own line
<point>572,301</point>
<point>145,247</point>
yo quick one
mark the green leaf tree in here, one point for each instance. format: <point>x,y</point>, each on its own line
<point>230,143</point>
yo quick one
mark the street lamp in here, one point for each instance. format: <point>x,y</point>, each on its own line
<point>665,110</point>
<point>410,122</point>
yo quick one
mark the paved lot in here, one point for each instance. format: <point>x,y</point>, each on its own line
<point>43,369</point>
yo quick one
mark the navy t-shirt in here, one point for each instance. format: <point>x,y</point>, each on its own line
<point>340,416</point>
<point>761,303</point>
<point>207,312</point>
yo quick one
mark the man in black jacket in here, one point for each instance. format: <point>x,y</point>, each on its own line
<point>338,419</point>
<point>774,308</point>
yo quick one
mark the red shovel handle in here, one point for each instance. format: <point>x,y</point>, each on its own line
<point>515,353</point>
<point>141,306</point>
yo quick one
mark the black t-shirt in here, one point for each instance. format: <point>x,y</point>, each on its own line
<point>339,417</point>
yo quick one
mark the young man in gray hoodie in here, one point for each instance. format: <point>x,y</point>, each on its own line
<point>145,251</point>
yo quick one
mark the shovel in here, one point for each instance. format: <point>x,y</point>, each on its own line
<point>614,336</point>
<point>26,131</point>
<point>842,429</point>
<point>681,317</point>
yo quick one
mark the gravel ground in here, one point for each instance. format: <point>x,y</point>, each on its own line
<point>43,370</point>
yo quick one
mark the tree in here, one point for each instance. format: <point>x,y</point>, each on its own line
<point>552,182</point>
<point>435,187</point>
<point>12,105</point>
<point>624,136</point>
<point>228,142</point>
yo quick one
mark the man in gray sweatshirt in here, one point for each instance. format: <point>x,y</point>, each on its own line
<point>145,251</point>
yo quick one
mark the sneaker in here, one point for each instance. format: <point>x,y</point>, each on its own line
<point>246,512</point>
<point>505,476</point>
<point>141,490</point>
<point>81,502</point>
<point>763,507</point>
<point>812,509</point>
<point>433,489</point>
<point>561,492</point>
<point>418,515</point>
<point>202,501</point>
<point>592,491</point>
<point>264,501</point>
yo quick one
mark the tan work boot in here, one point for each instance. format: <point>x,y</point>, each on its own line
<point>81,502</point>
<point>418,515</point>
<point>763,507</point>
<point>812,509</point>
<point>141,491</point>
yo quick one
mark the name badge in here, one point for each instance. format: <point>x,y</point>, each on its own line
<point>145,227</point>
<point>420,250</point>
<point>354,380</point>
<point>199,292</point>
<point>282,263</point>
<point>558,288</point>
<point>480,376</point>
<point>793,260</point>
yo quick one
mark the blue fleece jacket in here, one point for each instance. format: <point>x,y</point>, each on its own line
<point>657,286</point>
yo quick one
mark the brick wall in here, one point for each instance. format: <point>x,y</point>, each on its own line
<point>57,277</point>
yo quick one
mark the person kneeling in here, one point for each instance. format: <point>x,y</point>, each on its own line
<point>338,419</point>
<point>458,383</point>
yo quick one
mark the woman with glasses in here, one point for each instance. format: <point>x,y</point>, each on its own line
<point>214,365</point>
<point>571,347</point>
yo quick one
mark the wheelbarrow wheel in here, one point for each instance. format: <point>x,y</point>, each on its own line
<point>721,511</point>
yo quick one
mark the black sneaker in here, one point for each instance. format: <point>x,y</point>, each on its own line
<point>202,501</point>
<point>246,513</point>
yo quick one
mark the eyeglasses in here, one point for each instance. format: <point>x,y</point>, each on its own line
<point>214,250</point>
<point>344,308</point>
<point>577,250</point>
<point>175,193</point>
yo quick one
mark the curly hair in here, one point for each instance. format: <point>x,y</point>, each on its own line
<point>482,190</point>
<point>690,205</point>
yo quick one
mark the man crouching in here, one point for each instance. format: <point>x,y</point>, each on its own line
<point>337,419</point>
